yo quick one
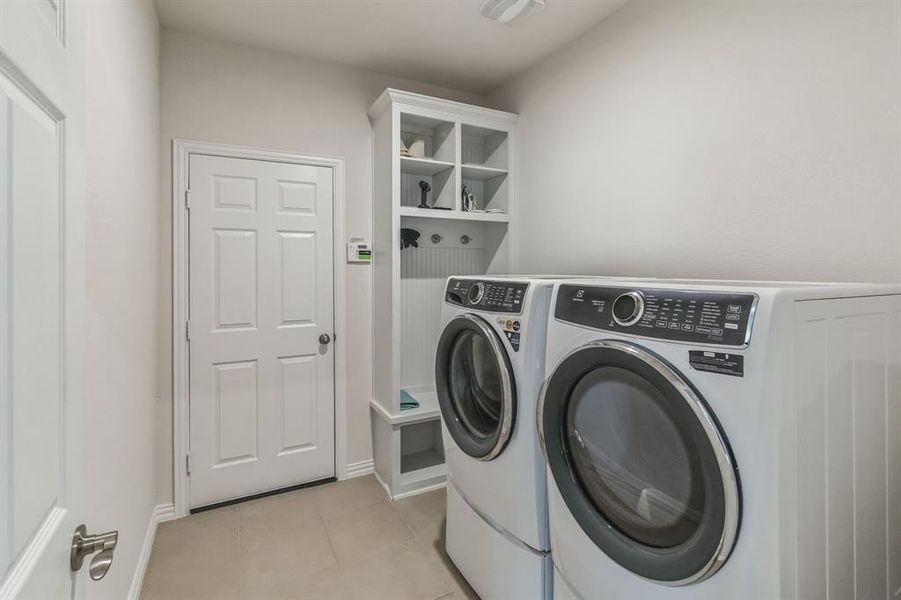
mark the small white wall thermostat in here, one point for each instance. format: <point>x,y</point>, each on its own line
<point>359,251</point>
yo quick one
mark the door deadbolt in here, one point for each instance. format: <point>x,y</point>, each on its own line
<point>324,339</point>
<point>84,545</point>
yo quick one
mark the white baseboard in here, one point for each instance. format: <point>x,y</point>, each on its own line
<point>430,488</point>
<point>424,490</point>
<point>359,469</point>
<point>161,513</point>
<point>383,484</point>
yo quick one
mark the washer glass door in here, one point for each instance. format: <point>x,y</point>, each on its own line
<point>640,462</point>
<point>475,386</point>
<point>629,454</point>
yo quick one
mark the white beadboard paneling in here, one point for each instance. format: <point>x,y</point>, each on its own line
<point>893,455</point>
<point>473,152</point>
<point>484,147</point>
<point>810,448</point>
<point>846,502</point>
<point>424,272</point>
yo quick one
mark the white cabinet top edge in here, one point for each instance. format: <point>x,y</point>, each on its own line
<point>391,95</point>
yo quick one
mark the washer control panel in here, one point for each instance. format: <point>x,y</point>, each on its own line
<point>679,315</point>
<point>484,294</point>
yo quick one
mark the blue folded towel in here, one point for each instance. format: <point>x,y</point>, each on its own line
<point>407,401</point>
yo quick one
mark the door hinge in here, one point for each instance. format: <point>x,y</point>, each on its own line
<point>188,330</point>
<point>187,464</point>
<point>188,199</point>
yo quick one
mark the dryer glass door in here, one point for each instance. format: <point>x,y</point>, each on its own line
<point>640,462</point>
<point>475,386</point>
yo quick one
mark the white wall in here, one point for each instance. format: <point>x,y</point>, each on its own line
<point>122,255</point>
<point>716,139</point>
<point>216,91</point>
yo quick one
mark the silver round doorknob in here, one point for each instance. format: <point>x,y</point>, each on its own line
<point>324,339</point>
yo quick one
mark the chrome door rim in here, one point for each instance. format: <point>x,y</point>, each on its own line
<point>720,448</point>
<point>500,357</point>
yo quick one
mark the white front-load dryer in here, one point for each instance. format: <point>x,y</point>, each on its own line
<point>709,440</point>
<point>489,367</point>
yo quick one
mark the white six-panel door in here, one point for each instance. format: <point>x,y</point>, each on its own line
<point>40,120</point>
<point>261,296</point>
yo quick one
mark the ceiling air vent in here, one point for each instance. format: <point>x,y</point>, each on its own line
<point>511,11</point>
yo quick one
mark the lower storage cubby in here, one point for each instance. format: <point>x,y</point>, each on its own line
<point>408,450</point>
<point>421,446</point>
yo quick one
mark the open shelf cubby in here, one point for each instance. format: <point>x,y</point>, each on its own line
<point>485,147</point>
<point>452,145</point>
<point>440,178</point>
<point>436,136</point>
<point>490,193</point>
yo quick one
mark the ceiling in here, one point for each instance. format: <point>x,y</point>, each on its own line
<point>444,42</point>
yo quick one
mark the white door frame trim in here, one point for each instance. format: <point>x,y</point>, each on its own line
<point>181,154</point>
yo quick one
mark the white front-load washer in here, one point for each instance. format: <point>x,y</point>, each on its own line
<point>709,440</point>
<point>489,367</point>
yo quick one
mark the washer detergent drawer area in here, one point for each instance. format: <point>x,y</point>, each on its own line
<point>497,568</point>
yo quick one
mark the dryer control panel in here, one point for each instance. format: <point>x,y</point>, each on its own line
<point>492,296</point>
<point>699,317</point>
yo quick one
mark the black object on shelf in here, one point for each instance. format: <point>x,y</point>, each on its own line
<point>426,188</point>
<point>469,199</point>
<point>409,237</point>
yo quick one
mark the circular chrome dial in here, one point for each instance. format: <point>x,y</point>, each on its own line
<point>476,292</point>
<point>628,308</point>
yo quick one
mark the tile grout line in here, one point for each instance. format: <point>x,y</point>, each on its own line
<point>376,550</point>
<point>417,539</point>
<point>328,538</point>
<point>240,549</point>
<point>392,504</point>
<point>403,520</point>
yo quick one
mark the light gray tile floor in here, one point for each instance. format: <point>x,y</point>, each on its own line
<point>338,541</point>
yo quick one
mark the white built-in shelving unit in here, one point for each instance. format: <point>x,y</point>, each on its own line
<point>463,145</point>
